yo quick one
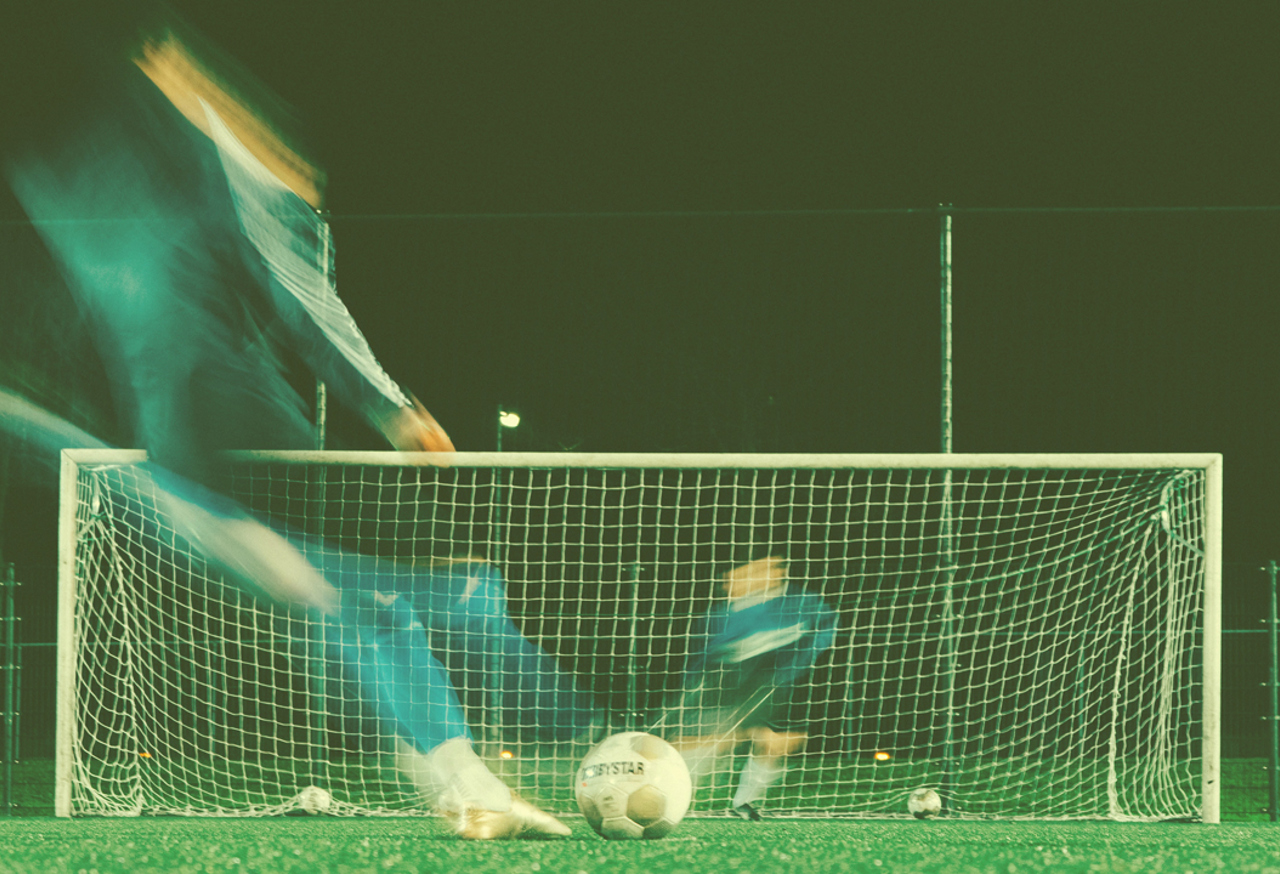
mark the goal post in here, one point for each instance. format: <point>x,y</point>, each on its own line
<point>1037,636</point>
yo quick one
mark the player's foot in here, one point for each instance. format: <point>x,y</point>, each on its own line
<point>523,820</point>
<point>746,812</point>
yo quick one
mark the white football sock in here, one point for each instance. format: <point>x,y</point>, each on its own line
<point>453,777</point>
<point>755,780</point>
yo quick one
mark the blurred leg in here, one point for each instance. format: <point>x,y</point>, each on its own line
<point>381,638</point>
<point>465,608</point>
<point>765,767</point>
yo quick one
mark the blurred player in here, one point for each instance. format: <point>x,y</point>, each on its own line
<point>458,606</point>
<point>184,220</point>
<point>760,640</point>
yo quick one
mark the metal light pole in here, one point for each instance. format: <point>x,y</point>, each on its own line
<point>505,419</point>
<point>944,258</point>
<point>950,644</point>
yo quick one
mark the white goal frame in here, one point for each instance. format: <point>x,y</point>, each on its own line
<point>1209,463</point>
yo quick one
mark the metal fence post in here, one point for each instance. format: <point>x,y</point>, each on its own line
<point>10,668</point>
<point>1273,695</point>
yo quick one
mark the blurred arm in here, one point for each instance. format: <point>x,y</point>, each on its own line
<point>276,192</point>
<point>187,82</point>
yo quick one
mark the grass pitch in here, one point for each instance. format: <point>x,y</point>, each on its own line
<point>713,846</point>
<point>702,845</point>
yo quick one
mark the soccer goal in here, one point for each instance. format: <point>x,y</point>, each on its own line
<point>1032,636</point>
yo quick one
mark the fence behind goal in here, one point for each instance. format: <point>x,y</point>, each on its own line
<point>1034,636</point>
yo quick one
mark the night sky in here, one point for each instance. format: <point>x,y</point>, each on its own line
<point>711,227</point>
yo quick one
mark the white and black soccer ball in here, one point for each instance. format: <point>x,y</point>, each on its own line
<point>633,785</point>
<point>314,801</point>
<point>924,804</point>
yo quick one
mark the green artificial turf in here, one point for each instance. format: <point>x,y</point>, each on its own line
<point>36,842</point>
<point>713,846</point>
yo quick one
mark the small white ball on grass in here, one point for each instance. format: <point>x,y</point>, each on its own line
<point>924,804</point>
<point>314,801</point>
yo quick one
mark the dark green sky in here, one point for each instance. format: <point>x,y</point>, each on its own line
<point>767,318</point>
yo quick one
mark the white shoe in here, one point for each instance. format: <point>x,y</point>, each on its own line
<point>523,820</point>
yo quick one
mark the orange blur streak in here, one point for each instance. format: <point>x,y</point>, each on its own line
<point>185,81</point>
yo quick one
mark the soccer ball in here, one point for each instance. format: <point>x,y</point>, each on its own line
<point>633,785</point>
<point>314,801</point>
<point>924,804</point>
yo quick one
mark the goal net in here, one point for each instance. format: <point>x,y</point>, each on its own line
<point>1032,636</point>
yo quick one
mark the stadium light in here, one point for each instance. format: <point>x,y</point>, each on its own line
<point>506,419</point>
